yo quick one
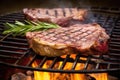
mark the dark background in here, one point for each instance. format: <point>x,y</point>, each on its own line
<point>9,6</point>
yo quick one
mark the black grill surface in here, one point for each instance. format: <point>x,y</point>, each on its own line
<point>15,52</point>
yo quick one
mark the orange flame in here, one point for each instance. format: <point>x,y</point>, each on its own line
<point>38,75</point>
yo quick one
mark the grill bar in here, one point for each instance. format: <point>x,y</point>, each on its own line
<point>87,63</point>
<point>17,49</point>
<point>53,63</point>
<point>11,47</point>
<point>10,52</point>
<point>42,62</point>
<point>10,57</point>
<point>64,62</point>
<point>32,60</point>
<point>20,59</point>
<point>75,62</point>
<point>15,43</point>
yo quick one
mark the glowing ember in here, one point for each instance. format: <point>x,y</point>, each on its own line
<point>38,75</point>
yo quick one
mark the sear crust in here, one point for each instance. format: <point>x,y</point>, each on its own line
<point>86,39</point>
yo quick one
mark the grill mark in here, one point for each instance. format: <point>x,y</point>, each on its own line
<point>71,40</point>
<point>50,32</point>
<point>64,35</point>
<point>67,12</point>
<point>43,33</point>
<point>70,10</point>
<point>66,39</point>
<point>53,38</point>
<point>51,12</point>
<point>56,14</point>
<point>67,36</point>
<point>39,11</point>
<point>37,34</point>
<point>58,35</point>
<point>51,35</point>
<point>76,30</point>
<point>88,34</point>
<point>75,39</point>
<point>63,12</point>
<point>73,10</point>
<point>43,11</point>
<point>47,11</point>
<point>59,13</point>
<point>80,33</point>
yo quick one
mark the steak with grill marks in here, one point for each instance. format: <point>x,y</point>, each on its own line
<point>87,39</point>
<point>62,17</point>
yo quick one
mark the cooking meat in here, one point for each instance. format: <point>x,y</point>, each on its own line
<point>59,16</point>
<point>87,39</point>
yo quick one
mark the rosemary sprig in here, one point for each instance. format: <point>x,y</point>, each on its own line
<point>19,28</point>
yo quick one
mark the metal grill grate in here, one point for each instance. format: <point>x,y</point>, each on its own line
<point>15,52</point>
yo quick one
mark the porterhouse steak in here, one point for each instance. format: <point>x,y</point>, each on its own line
<point>87,39</point>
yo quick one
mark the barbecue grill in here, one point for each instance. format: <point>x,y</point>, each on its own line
<point>15,51</point>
